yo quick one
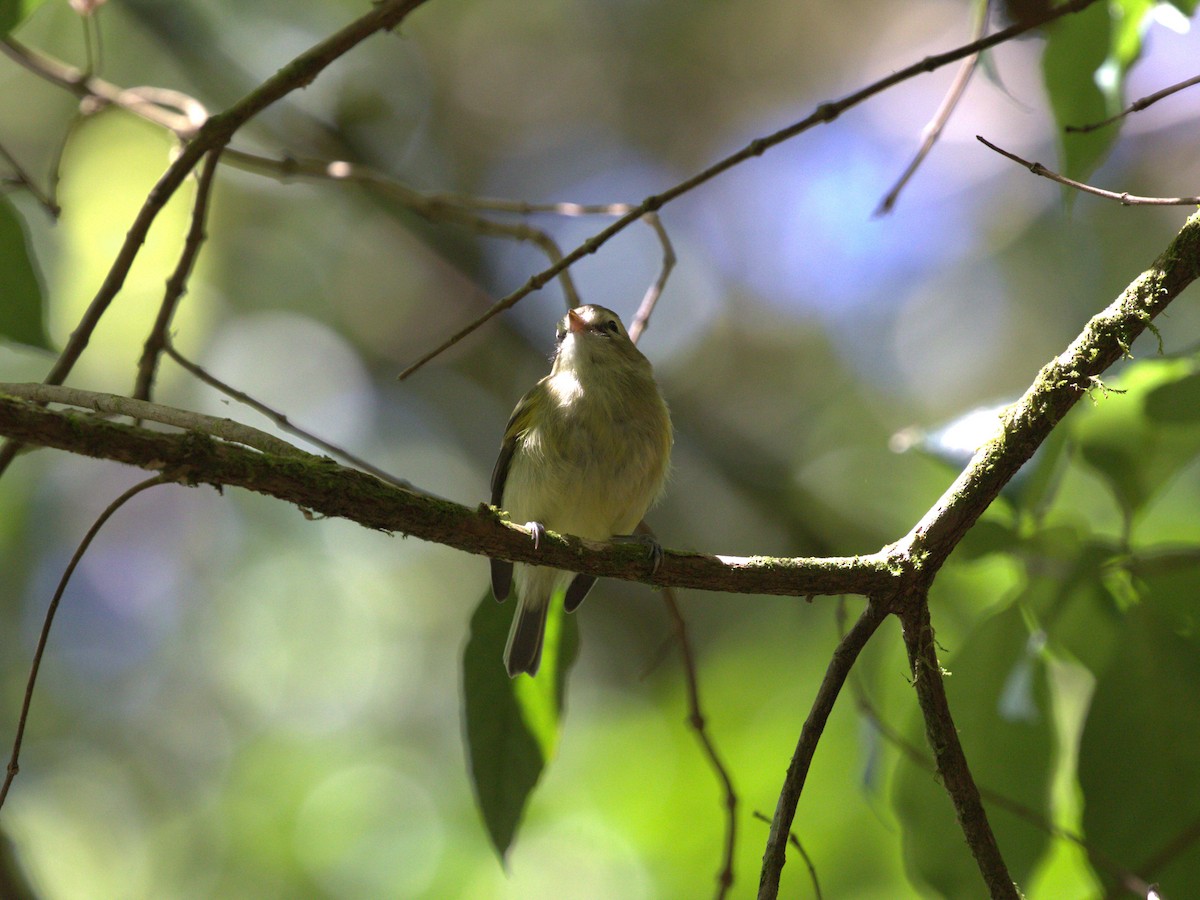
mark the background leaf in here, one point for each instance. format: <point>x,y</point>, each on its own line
<point>21,299</point>
<point>512,725</point>
<point>1119,437</point>
<point>1176,402</point>
<point>1139,756</point>
<point>14,12</point>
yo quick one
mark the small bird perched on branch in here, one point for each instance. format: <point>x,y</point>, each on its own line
<point>586,452</point>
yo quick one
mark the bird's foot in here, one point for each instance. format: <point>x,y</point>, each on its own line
<point>653,548</point>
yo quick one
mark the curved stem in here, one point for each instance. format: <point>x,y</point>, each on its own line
<point>44,637</point>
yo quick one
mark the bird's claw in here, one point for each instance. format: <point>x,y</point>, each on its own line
<point>653,548</point>
<point>539,532</point>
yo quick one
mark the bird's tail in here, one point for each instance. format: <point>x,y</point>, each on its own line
<point>523,652</point>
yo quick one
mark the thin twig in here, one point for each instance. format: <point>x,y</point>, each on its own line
<point>843,659</point>
<point>1135,106</point>
<point>649,300</point>
<point>22,179</point>
<point>952,767</point>
<point>645,310</point>
<point>795,842</point>
<point>431,207</point>
<point>697,723</point>
<point>1182,842</point>
<point>282,420</point>
<point>1125,199</point>
<point>823,114</point>
<point>177,283</point>
<point>44,637</point>
<point>173,110</point>
<point>937,124</point>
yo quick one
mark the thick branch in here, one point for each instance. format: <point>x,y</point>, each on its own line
<point>1057,388</point>
<point>322,486</point>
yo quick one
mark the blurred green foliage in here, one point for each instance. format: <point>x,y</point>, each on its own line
<point>241,702</point>
<point>21,312</point>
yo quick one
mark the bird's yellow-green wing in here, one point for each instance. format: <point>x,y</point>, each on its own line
<point>518,424</point>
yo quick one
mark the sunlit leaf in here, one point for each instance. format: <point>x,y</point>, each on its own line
<point>21,300</point>
<point>997,691</point>
<point>1121,438</point>
<point>1139,756</point>
<point>14,12</point>
<point>512,725</point>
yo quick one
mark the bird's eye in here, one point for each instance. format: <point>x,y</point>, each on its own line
<point>611,325</point>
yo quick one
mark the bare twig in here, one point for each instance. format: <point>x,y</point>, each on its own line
<point>952,767</point>
<point>177,283</point>
<point>645,310</point>
<point>843,659</point>
<point>823,114</point>
<point>1125,199</point>
<point>1135,106</point>
<point>697,723</point>
<point>173,110</point>
<point>932,131</point>
<point>649,300</point>
<point>44,637</point>
<point>1181,843</point>
<point>432,207</point>
<point>795,842</point>
<point>281,420</point>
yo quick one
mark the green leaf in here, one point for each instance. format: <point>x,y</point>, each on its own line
<point>1139,755</point>
<point>1086,60</point>
<point>1122,439</point>
<point>21,298</point>
<point>512,725</point>
<point>1071,598</point>
<point>14,12</point>
<point>999,698</point>
<point>1176,402</point>
<point>1130,18</point>
<point>1076,48</point>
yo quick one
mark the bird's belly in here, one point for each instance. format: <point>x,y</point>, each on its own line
<point>582,491</point>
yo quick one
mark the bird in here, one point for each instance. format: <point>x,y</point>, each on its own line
<point>586,452</point>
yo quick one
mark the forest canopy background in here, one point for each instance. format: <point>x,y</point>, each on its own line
<point>238,700</point>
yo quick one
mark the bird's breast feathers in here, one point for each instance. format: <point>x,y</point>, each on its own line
<point>589,466</point>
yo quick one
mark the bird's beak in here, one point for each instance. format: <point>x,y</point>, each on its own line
<point>575,322</point>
